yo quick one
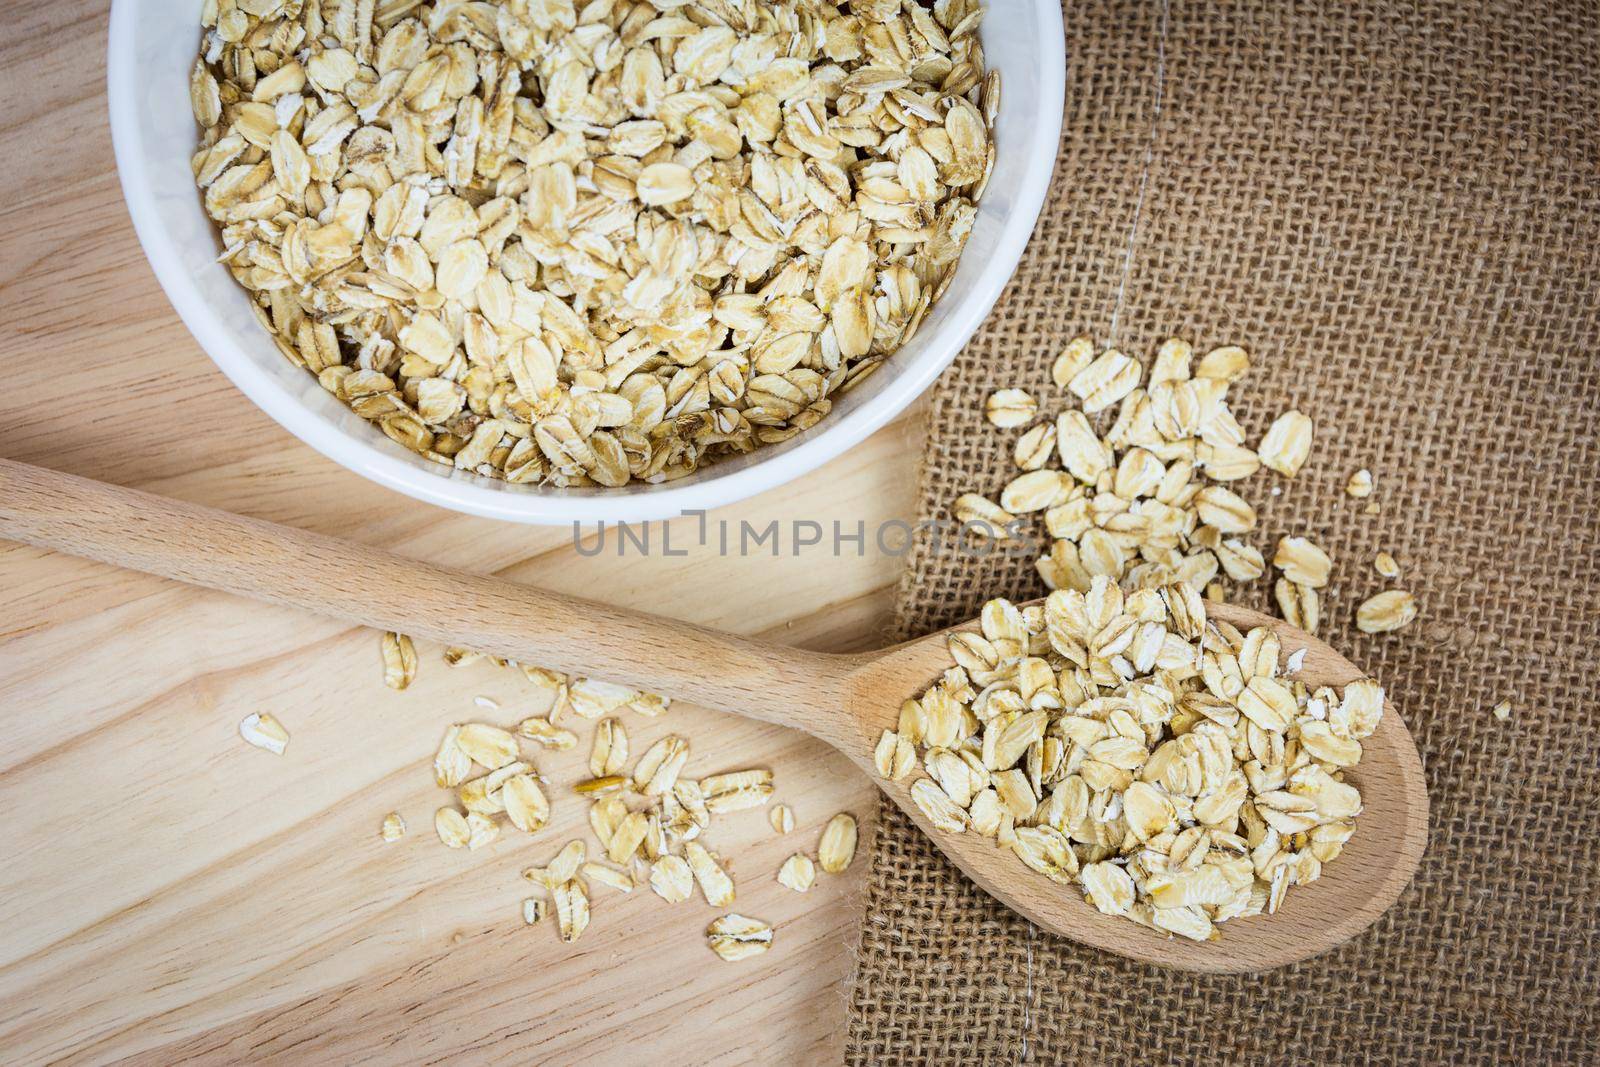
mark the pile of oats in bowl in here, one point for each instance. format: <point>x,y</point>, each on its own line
<point>586,245</point>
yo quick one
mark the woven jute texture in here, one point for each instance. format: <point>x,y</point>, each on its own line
<point>1396,209</point>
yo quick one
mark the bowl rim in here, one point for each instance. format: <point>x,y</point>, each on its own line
<point>834,436</point>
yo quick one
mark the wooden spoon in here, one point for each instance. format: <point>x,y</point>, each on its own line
<point>845,700</point>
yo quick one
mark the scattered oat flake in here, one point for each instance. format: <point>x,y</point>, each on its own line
<point>1386,612</point>
<point>572,909</point>
<point>1078,354</point>
<point>781,818</point>
<point>544,679</point>
<point>451,765</point>
<point>481,830</point>
<point>533,910</point>
<point>487,703</point>
<point>736,937</point>
<point>1386,565</point>
<point>1105,381</point>
<point>659,767</point>
<point>736,790</point>
<point>542,733</point>
<point>1302,562</point>
<point>564,867</point>
<point>798,872</point>
<point>649,705</point>
<point>1360,484</point>
<point>1502,710</point>
<point>399,661</point>
<point>394,827</point>
<point>607,785</point>
<point>1300,605</point>
<point>714,881</point>
<point>488,746</point>
<point>672,879</point>
<point>591,698</point>
<point>837,846</point>
<point>263,730</point>
<point>609,753</point>
<point>612,877</point>
<point>1287,443</point>
<point>1009,408</point>
<point>452,828</point>
<point>525,803</point>
<point>1227,363</point>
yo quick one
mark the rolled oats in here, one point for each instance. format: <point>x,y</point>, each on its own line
<point>1077,355</point>
<point>481,830</point>
<point>394,827</point>
<point>1010,408</point>
<point>737,937</point>
<point>488,746</point>
<point>672,879</point>
<point>582,246</point>
<point>1034,448</point>
<point>562,868</point>
<point>540,732</point>
<point>572,909</point>
<point>1287,443</point>
<point>612,877</point>
<point>451,827</point>
<point>894,757</point>
<point>736,790</point>
<point>525,803</point>
<point>399,660</point>
<point>1180,779</point>
<point>660,765</point>
<point>609,753</point>
<point>1302,562</point>
<point>263,730</point>
<point>1300,605</point>
<point>1106,380</point>
<point>837,847</point>
<point>798,872</point>
<point>714,882</point>
<point>1386,612</point>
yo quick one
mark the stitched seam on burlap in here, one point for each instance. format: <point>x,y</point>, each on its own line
<point>1027,995</point>
<point>1144,171</point>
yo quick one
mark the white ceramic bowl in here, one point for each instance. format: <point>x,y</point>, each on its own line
<point>152,47</point>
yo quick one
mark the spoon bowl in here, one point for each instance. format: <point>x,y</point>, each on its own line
<point>844,700</point>
<point>1376,865</point>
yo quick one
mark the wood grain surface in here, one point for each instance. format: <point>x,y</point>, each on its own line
<point>847,700</point>
<point>170,894</point>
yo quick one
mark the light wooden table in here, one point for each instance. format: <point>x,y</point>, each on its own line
<point>169,893</point>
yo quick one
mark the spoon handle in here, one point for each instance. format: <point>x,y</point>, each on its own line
<point>328,576</point>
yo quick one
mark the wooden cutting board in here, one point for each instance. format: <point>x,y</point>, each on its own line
<point>171,894</point>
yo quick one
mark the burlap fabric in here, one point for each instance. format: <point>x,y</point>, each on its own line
<point>1396,208</point>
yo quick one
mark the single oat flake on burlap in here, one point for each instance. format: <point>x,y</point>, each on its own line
<point>1395,210</point>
